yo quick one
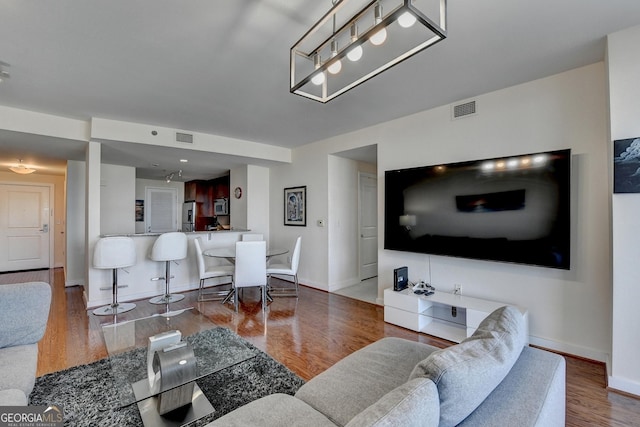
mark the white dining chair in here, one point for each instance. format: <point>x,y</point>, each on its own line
<point>250,269</point>
<point>290,269</point>
<point>209,269</point>
<point>252,237</point>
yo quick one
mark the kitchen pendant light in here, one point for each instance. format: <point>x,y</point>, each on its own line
<point>390,26</point>
<point>378,38</point>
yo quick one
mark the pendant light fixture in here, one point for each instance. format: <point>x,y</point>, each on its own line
<point>391,27</point>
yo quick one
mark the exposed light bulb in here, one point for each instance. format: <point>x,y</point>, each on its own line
<point>407,20</point>
<point>378,38</point>
<point>318,79</point>
<point>354,53</point>
<point>336,66</point>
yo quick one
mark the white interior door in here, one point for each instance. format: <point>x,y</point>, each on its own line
<point>25,233</point>
<point>161,210</point>
<point>368,226</point>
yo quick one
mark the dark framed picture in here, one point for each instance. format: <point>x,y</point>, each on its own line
<point>295,206</point>
<point>139,210</point>
<point>626,165</point>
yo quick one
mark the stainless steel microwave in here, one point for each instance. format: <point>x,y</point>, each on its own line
<point>221,206</point>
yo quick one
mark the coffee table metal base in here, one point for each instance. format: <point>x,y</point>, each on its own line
<point>200,406</point>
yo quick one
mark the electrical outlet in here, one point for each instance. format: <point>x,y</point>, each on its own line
<point>457,289</point>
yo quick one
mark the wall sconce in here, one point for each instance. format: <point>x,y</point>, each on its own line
<point>372,35</point>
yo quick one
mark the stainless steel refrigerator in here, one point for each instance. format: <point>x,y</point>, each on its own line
<point>189,213</point>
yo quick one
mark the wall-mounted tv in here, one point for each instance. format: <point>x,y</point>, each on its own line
<point>512,209</point>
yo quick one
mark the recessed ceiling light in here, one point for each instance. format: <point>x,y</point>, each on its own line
<point>155,165</point>
<point>184,161</point>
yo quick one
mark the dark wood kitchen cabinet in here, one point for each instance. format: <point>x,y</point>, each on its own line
<point>204,192</point>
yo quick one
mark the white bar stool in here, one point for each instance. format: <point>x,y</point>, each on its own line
<point>168,247</point>
<point>114,253</point>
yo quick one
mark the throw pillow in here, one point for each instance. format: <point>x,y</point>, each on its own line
<point>412,404</point>
<point>467,373</point>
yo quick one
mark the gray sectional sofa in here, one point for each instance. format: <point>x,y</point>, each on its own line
<point>24,311</point>
<point>490,379</point>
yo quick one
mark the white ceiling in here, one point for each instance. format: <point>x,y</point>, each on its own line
<point>221,67</point>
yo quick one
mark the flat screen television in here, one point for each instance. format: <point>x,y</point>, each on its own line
<point>513,209</point>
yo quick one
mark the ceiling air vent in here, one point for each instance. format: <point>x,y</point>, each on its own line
<point>184,137</point>
<point>463,110</point>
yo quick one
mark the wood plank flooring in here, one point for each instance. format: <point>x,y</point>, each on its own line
<point>308,335</point>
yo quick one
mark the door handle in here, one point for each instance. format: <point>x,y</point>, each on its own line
<point>45,228</point>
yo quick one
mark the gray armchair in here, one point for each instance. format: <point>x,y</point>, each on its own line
<point>24,311</point>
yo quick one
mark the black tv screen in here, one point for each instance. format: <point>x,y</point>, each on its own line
<point>512,209</point>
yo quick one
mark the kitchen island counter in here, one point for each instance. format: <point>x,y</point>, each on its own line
<point>232,230</point>
<point>138,281</point>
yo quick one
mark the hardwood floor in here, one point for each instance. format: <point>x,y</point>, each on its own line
<point>308,335</point>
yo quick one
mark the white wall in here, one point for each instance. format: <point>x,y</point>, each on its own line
<point>117,199</point>
<point>257,200</point>
<point>75,226</point>
<point>569,310</point>
<point>624,93</point>
<point>309,167</point>
<point>238,207</point>
<point>343,176</point>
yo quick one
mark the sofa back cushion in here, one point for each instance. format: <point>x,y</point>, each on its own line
<point>467,373</point>
<point>412,404</point>
<point>24,311</point>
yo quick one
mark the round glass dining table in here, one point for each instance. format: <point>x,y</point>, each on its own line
<point>229,253</point>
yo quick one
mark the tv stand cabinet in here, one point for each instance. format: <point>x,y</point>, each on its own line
<point>444,315</point>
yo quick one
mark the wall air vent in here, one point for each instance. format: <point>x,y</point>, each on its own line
<point>463,110</point>
<point>184,137</point>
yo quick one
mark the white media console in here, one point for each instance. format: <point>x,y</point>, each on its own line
<point>444,315</point>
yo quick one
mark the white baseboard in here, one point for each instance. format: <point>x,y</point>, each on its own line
<point>73,282</point>
<point>343,284</point>
<point>624,385</point>
<point>312,284</point>
<point>587,353</point>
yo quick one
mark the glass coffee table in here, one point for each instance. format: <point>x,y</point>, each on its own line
<point>173,367</point>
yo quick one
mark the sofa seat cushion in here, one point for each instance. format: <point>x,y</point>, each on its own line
<point>362,378</point>
<point>274,410</point>
<point>467,373</point>
<point>412,404</point>
<point>18,367</point>
<point>12,397</point>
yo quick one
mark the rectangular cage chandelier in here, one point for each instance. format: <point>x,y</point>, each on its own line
<point>359,39</point>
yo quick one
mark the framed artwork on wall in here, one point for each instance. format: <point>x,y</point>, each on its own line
<point>139,210</point>
<point>295,206</point>
<point>626,165</point>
